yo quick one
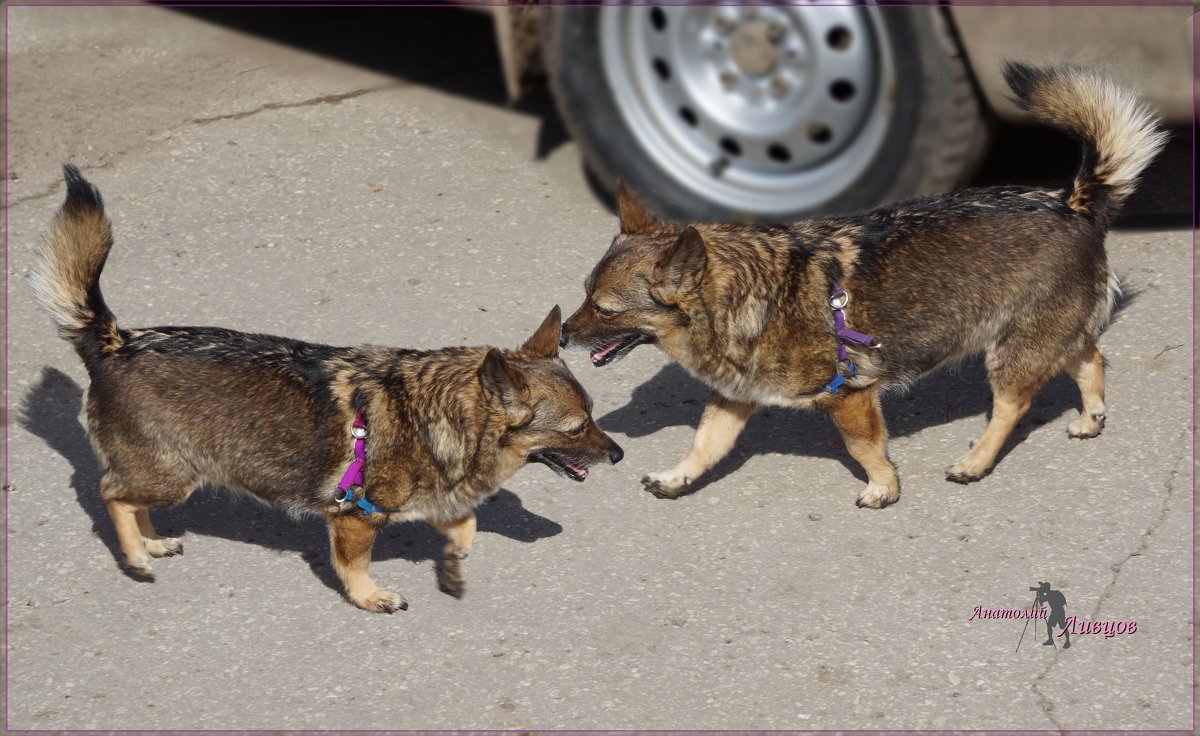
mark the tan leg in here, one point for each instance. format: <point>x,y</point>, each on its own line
<point>1008,406</point>
<point>720,425</point>
<point>1088,373</point>
<point>157,546</point>
<point>124,518</point>
<point>459,535</point>
<point>350,539</point>
<point>858,417</point>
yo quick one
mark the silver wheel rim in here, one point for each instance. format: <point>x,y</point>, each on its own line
<point>765,110</point>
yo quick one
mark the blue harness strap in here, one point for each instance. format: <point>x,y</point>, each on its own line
<point>839,378</point>
<point>367,507</point>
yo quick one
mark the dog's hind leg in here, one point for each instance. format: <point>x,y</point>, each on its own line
<point>720,425</point>
<point>143,478</point>
<point>459,535</point>
<point>1009,404</point>
<point>156,545</point>
<point>123,508</point>
<point>128,504</point>
<point>124,517</point>
<point>858,417</point>
<point>1088,372</point>
<point>1034,350</point>
<point>351,537</point>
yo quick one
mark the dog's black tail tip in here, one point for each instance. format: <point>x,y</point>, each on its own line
<point>1022,79</point>
<point>81,195</point>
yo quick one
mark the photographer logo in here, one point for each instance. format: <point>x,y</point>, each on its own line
<point>1050,606</point>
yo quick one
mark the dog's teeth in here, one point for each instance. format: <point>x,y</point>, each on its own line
<point>602,353</point>
<point>579,470</point>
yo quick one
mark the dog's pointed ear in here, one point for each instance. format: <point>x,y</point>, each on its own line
<point>502,380</point>
<point>544,343</point>
<point>635,218</point>
<point>680,268</point>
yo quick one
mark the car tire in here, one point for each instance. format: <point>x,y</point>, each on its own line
<point>922,130</point>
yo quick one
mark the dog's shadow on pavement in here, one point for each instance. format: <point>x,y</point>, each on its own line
<point>51,411</point>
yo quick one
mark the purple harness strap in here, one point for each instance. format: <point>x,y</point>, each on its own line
<point>353,480</point>
<point>838,299</point>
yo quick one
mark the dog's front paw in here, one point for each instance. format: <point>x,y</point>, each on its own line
<point>1086,426</point>
<point>452,580</point>
<point>381,601</point>
<point>663,485</point>
<point>964,473</point>
<point>878,496</point>
<point>167,547</point>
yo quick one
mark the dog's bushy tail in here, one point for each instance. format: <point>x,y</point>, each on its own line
<point>66,279</point>
<point>1120,134</point>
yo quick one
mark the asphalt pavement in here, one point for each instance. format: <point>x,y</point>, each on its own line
<point>345,191</point>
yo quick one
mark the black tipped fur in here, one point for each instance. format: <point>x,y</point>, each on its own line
<point>81,195</point>
<point>1022,79</point>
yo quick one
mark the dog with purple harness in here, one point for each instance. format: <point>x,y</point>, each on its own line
<point>173,409</point>
<point>1016,273</point>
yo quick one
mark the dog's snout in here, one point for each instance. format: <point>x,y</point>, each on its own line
<point>615,454</point>
<point>563,337</point>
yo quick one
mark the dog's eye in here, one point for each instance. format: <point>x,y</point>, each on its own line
<point>604,313</point>
<point>578,430</point>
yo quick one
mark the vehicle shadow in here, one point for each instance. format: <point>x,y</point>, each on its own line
<point>51,410</point>
<point>450,48</point>
<point>673,398</point>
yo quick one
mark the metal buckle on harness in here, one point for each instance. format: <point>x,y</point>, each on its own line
<point>347,495</point>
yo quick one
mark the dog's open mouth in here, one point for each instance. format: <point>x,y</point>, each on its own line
<point>562,465</point>
<point>617,348</point>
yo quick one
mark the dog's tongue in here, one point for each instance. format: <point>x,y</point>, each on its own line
<point>578,469</point>
<point>603,352</point>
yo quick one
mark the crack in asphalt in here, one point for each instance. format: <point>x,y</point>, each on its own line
<point>311,102</point>
<point>1146,535</point>
<point>331,99</point>
<point>1044,701</point>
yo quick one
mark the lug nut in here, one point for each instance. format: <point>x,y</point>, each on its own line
<point>796,58</point>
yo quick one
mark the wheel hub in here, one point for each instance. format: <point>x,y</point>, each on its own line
<point>753,51</point>
<point>757,107</point>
